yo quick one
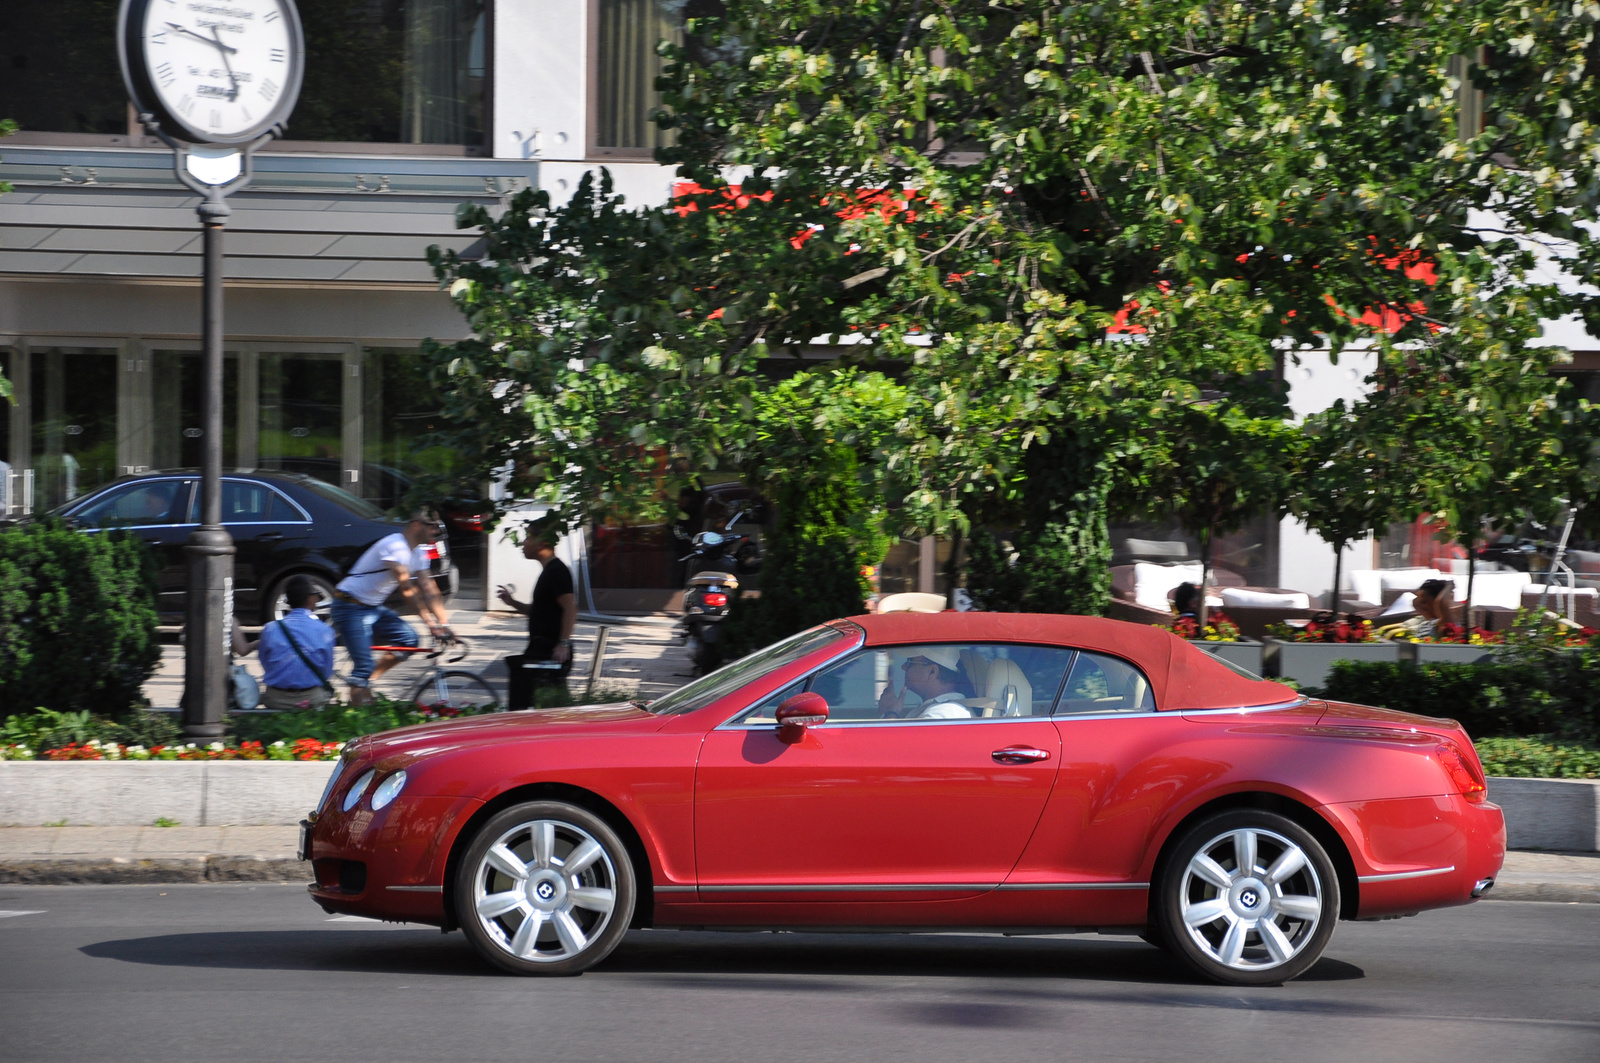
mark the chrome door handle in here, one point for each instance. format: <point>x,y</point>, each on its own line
<point>1019,755</point>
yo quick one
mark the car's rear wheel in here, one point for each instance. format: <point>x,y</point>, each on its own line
<point>1248,898</point>
<point>277,600</point>
<point>545,888</point>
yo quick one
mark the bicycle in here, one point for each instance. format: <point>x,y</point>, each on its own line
<point>452,688</point>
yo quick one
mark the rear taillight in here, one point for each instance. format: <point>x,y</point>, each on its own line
<point>716,599</point>
<point>433,551</point>
<point>1463,772</point>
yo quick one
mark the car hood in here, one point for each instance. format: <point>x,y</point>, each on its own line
<point>501,727</point>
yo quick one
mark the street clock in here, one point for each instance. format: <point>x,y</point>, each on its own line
<point>212,71</point>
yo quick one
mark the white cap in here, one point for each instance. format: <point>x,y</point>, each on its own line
<point>948,656</point>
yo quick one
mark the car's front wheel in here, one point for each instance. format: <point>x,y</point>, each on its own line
<point>545,888</point>
<point>1248,898</point>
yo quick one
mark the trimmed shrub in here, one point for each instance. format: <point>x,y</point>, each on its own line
<point>77,620</point>
<point>1536,758</point>
<point>1551,693</point>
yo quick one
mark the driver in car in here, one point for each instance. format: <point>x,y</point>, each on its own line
<point>934,675</point>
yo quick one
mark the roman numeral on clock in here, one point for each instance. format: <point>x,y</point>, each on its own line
<point>269,89</point>
<point>159,37</point>
<point>270,16</point>
<point>278,55</point>
<point>186,105</point>
<point>216,118</point>
<point>165,74</point>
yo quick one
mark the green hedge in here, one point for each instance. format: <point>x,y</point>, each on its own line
<point>1533,693</point>
<point>1536,758</point>
<point>77,620</point>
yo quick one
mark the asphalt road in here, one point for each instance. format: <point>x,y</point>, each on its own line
<point>258,973</point>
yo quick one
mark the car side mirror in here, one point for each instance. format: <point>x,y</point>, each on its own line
<point>798,713</point>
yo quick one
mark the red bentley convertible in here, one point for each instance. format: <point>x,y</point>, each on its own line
<point>955,770</point>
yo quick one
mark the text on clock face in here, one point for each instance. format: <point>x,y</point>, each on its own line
<point>218,53</point>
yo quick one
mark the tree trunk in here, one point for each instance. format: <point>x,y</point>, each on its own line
<point>1338,563</point>
<point>1205,577</point>
<point>1472,574</point>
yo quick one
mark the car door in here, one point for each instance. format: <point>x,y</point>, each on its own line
<point>264,525</point>
<point>155,510</point>
<point>876,806</point>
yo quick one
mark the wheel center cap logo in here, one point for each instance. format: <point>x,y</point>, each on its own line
<point>545,891</point>
<point>1248,898</point>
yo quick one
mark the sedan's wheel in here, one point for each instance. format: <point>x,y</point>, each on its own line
<point>278,600</point>
<point>1249,898</point>
<point>545,888</point>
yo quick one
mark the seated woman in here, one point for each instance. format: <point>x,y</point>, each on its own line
<point>934,675</point>
<point>1433,602</point>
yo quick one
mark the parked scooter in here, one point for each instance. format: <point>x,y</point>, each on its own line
<point>715,562</point>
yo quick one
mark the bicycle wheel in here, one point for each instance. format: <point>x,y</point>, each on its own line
<point>454,690</point>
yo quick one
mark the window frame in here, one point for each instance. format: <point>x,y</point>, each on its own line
<point>592,147</point>
<point>735,722</point>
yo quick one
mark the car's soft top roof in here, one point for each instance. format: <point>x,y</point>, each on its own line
<point>1181,676</point>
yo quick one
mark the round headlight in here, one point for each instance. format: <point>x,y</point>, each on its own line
<point>388,790</point>
<point>358,788</point>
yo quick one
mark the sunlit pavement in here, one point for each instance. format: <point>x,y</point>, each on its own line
<point>643,659</point>
<point>258,972</point>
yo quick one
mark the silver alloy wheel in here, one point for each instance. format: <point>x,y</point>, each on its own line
<point>1250,899</point>
<point>544,891</point>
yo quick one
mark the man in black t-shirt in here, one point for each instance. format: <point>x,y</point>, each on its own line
<point>552,612</point>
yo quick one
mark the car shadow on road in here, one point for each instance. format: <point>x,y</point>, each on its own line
<point>709,959</point>
<point>1085,957</point>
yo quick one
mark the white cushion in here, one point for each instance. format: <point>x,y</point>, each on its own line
<point>1152,583</point>
<point>1501,589</point>
<point>1407,579</point>
<point>1243,598</point>
<point>1533,591</point>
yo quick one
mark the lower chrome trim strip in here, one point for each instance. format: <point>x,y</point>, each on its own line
<point>865,887</point>
<point>1398,875</point>
<point>1075,885</point>
<point>416,889</point>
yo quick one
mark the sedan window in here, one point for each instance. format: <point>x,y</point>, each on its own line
<point>249,502</point>
<point>1101,683</point>
<point>136,505</point>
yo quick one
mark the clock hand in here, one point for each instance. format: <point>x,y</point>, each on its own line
<point>200,37</point>
<point>233,93</point>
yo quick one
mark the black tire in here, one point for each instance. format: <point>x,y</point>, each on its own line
<point>1271,923</point>
<point>275,605</point>
<point>559,911</point>
<point>455,690</point>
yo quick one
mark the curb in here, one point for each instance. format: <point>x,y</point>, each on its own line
<point>166,870</point>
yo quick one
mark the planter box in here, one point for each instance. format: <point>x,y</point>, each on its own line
<point>1244,653</point>
<point>1308,663</point>
<point>135,793</point>
<point>1446,653</point>
<point>1549,813</point>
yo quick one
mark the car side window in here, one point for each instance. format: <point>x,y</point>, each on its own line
<point>249,502</point>
<point>766,711</point>
<point>1102,683</point>
<point>934,681</point>
<point>284,511</point>
<point>137,505</point>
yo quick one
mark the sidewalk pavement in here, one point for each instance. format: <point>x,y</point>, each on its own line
<point>121,855</point>
<point>643,658</point>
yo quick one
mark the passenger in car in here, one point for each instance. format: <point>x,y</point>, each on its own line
<point>933,675</point>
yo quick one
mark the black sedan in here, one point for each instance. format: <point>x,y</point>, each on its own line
<point>282,523</point>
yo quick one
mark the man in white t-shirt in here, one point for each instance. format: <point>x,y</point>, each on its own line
<point>933,674</point>
<point>363,621</point>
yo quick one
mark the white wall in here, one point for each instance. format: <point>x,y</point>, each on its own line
<point>540,50</point>
<point>504,563</point>
<point>1305,561</point>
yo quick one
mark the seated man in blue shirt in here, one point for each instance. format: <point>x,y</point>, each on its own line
<point>296,653</point>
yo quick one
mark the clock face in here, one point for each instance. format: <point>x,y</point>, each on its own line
<point>221,70</point>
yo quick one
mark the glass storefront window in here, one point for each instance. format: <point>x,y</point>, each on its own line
<point>176,382</point>
<point>58,67</point>
<point>74,413</point>
<point>302,414</point>
<point>400,410</point>
<point>377,71</point>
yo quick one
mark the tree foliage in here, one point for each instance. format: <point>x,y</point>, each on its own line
<point>1071,241</point>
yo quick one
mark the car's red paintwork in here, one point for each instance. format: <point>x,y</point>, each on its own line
<point>920,826</point>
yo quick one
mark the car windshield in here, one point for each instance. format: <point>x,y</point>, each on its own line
<point>344,499</point>
<point>731,677</point>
